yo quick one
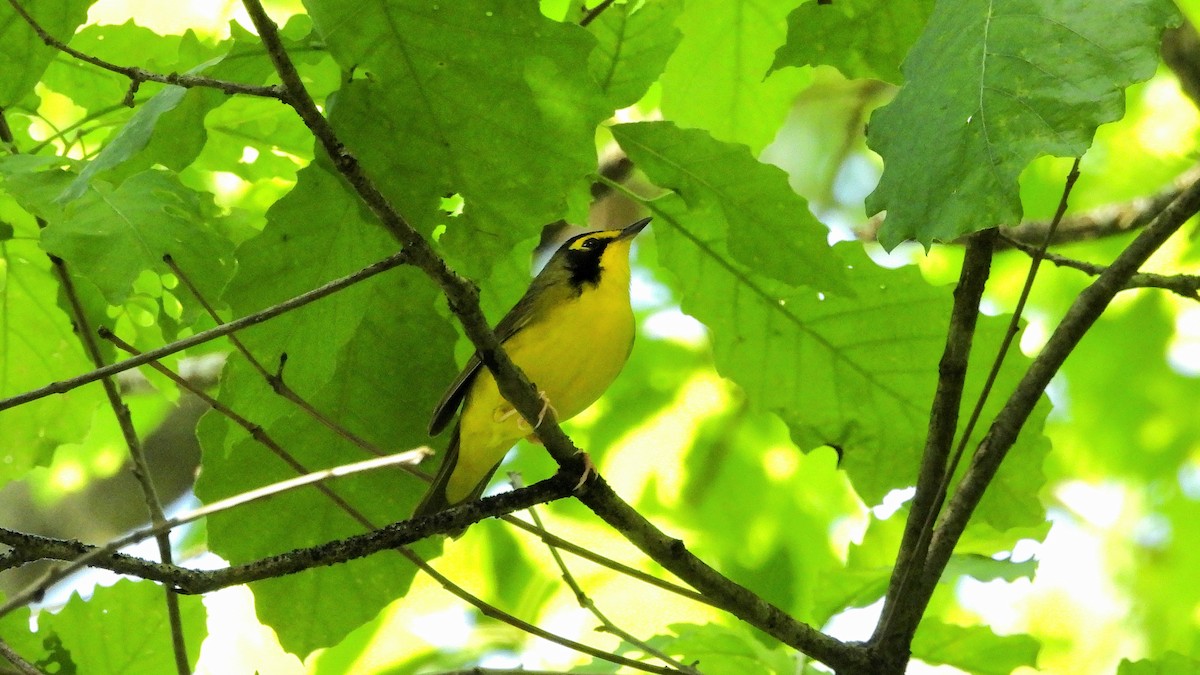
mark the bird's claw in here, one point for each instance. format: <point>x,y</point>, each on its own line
<point>522,424</point>
<point>589,470</point>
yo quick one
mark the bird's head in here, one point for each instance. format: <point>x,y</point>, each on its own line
<point>584,257</point>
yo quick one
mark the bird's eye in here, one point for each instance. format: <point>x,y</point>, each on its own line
<point>591,243</point>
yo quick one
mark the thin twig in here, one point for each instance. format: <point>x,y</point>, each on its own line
<point>141,470</point>
<point>586,602</point>
<point>491,611</point>
<point>1184,285</point>
<point>595,12</point>
<point>24,667</point>
<point>587,554</point>
<point>394,260</point>
<point>276,381</point>
<point>139,75</point>
<point>61,133</point>
<point>255,430</point>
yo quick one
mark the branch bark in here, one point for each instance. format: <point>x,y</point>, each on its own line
<point>1004,430</point>
<point>29,547</point>
<point>463,298</point>
<point>943,422</point>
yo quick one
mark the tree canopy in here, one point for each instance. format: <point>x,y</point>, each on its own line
<point>915,377</point>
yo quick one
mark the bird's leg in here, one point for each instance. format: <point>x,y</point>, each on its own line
<point>504,412</point>
<point>521,423</point>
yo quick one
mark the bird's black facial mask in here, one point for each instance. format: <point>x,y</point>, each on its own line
<point>583,255</point>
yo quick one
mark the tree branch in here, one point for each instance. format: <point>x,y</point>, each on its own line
<point>515,387</point>
<point>1004,430</point>
<point>1105,221</point>
<point>139,75</point>
<point>943,423</point>
<point>28,547</point>
<point>394,260</point>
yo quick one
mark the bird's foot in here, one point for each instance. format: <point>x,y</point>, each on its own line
<point>523,425</point>
<point>589,470</point>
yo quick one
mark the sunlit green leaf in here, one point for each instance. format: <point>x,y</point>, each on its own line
<point>975,649</point>
<point>861,38</point>
<point>23,56</point>
<point>770,227</point>
<point>94,636</point>
<point>715,79</point>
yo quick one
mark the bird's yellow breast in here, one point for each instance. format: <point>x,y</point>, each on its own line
<point>572,354</point>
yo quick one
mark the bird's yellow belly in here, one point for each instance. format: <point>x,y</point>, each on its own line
<point>572,358</point>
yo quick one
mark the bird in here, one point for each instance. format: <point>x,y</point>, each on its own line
<point>570,333</point>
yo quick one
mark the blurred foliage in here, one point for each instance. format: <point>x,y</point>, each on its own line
<point>774,408</point>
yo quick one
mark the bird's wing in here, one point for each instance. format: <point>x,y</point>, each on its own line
<point>516,319</point>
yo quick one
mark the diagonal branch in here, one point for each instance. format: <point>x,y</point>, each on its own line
<point>394,260</point>
<point>463,298</point>
<point>141,470</point>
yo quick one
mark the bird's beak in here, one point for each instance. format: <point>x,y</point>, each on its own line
<point>632,231</point>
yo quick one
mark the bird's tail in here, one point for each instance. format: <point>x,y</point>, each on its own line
<point>435,497</point>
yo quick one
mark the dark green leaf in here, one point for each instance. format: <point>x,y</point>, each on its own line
<point>991,87</point>
<point>507,124</point>
<point>633,48</point>
<point>861,38</point>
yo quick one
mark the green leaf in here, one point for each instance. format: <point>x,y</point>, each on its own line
<point>991,87</point>
<point>806,357</point>
<point>1171,663</point>
<point>128,142</point>
<point>770,227</point>
<point>975,649</point>
<point>732,650</point>
<point>861,38</point>
<point>633,48</point>
<point>809,358</point>
<point>111,236</point>
<point>37,347</point>
<point>986,568</point>
<point>23,56</point>
<point>715,79</point>
<point>373,358</point>
<point>508,124</point>
<point>96,635</point>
